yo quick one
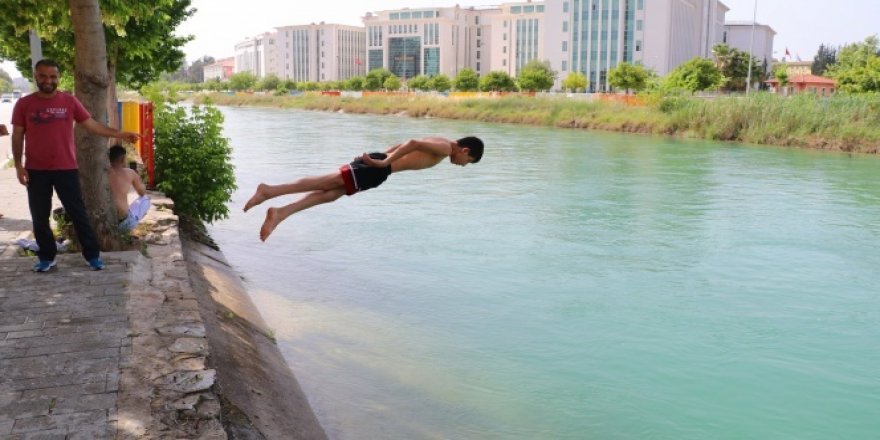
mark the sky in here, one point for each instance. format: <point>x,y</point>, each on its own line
<point>800,25</point>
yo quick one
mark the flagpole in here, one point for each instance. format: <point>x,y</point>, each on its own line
<point>751,44</point>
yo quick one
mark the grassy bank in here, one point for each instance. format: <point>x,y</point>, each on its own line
<point>844,123</point>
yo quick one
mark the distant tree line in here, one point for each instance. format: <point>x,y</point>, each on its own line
<point>855,67</point>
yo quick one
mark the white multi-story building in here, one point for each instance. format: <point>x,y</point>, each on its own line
<point>738,35</point>
<point>517,35</point>
<point>427,41</point>
<point>257,55</point>
<point>594,36</point>
<point>320,52</point>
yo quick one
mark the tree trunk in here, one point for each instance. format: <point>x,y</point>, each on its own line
<point>112,107</point>
<point>91,80</point>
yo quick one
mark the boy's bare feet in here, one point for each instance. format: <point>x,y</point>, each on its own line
<point>269,224</point>
<point>258,197</point>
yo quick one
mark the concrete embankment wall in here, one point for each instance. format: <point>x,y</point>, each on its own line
<point>259,392</point>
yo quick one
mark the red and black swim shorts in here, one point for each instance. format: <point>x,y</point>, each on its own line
<point>359,176</point>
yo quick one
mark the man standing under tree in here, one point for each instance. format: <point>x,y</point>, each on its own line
<point>43,134</point>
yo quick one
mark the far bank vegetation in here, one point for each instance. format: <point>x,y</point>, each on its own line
<point>703,98</point>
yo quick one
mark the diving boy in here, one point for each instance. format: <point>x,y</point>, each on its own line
<point>368,171</point>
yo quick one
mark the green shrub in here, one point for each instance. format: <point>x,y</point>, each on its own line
<point>669,104</point>
<point>193,164</point>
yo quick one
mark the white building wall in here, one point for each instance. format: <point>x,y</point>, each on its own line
<point>213,71</point>
<point>677,31</point>
<point>256,55</point>
<point>321,52</point>
<point>738,36</point>
<point>519,34</point>
<point>268,55</point>
<point>246,58</point>
<point>557,38</point>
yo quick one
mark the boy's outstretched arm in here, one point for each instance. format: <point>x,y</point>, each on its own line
<point>435,147</point>
<point>392,148</point>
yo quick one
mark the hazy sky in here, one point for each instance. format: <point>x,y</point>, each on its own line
<point>800,25</point>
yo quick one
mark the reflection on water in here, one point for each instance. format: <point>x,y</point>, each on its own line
<point>571,285</point>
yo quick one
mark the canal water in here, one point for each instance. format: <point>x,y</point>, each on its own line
<point>572,285</point>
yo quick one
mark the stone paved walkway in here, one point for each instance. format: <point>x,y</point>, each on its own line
<point>114,354</point>
<point>63,336</point>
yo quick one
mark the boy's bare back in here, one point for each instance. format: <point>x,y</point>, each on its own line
<point>122,180</point>
<point>434,150</point>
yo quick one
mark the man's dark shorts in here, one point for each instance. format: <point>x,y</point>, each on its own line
<point>359,176</point>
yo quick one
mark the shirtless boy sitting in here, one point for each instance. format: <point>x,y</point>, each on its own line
<point>122,180</point>
<point>365,172</point>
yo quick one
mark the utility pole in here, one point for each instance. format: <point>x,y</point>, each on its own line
<point>36,49</point>
<point>751,44</point>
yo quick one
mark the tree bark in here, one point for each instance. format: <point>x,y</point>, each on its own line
<point>91,80</point>
<point>112,107</point>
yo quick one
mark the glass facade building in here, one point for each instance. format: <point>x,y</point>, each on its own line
<point>405,56</point>
<point>603,35</point>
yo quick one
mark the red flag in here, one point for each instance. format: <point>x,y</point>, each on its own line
<point>357,61</point>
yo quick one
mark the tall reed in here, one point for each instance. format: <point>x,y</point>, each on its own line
<point>842,122</point>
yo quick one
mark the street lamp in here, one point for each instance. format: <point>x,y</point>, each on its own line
<point>751,43</point>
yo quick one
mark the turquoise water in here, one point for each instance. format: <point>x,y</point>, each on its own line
<point>573,285</point>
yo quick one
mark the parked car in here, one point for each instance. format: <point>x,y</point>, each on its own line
<point>7,97</point>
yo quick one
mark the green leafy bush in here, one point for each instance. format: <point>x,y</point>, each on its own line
<point>193,163</point>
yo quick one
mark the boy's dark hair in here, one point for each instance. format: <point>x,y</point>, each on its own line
<point>115,153</point>
<point>474,146</point>
<point>47,62</point>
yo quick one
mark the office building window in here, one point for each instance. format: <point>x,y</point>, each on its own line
<point>565,26</point>
<point>564,66</point>
<point>565,46</point>
<point>404,56</point>
<point>375,59</point>
<point>638,25</point>
<point>432,61</point>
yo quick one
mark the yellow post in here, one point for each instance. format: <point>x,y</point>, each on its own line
<point>131,120</point>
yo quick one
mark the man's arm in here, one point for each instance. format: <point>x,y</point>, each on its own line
<point>17,151</point>
<point>137,183</point>
<point>103,130</point>
<point>436,147</point>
